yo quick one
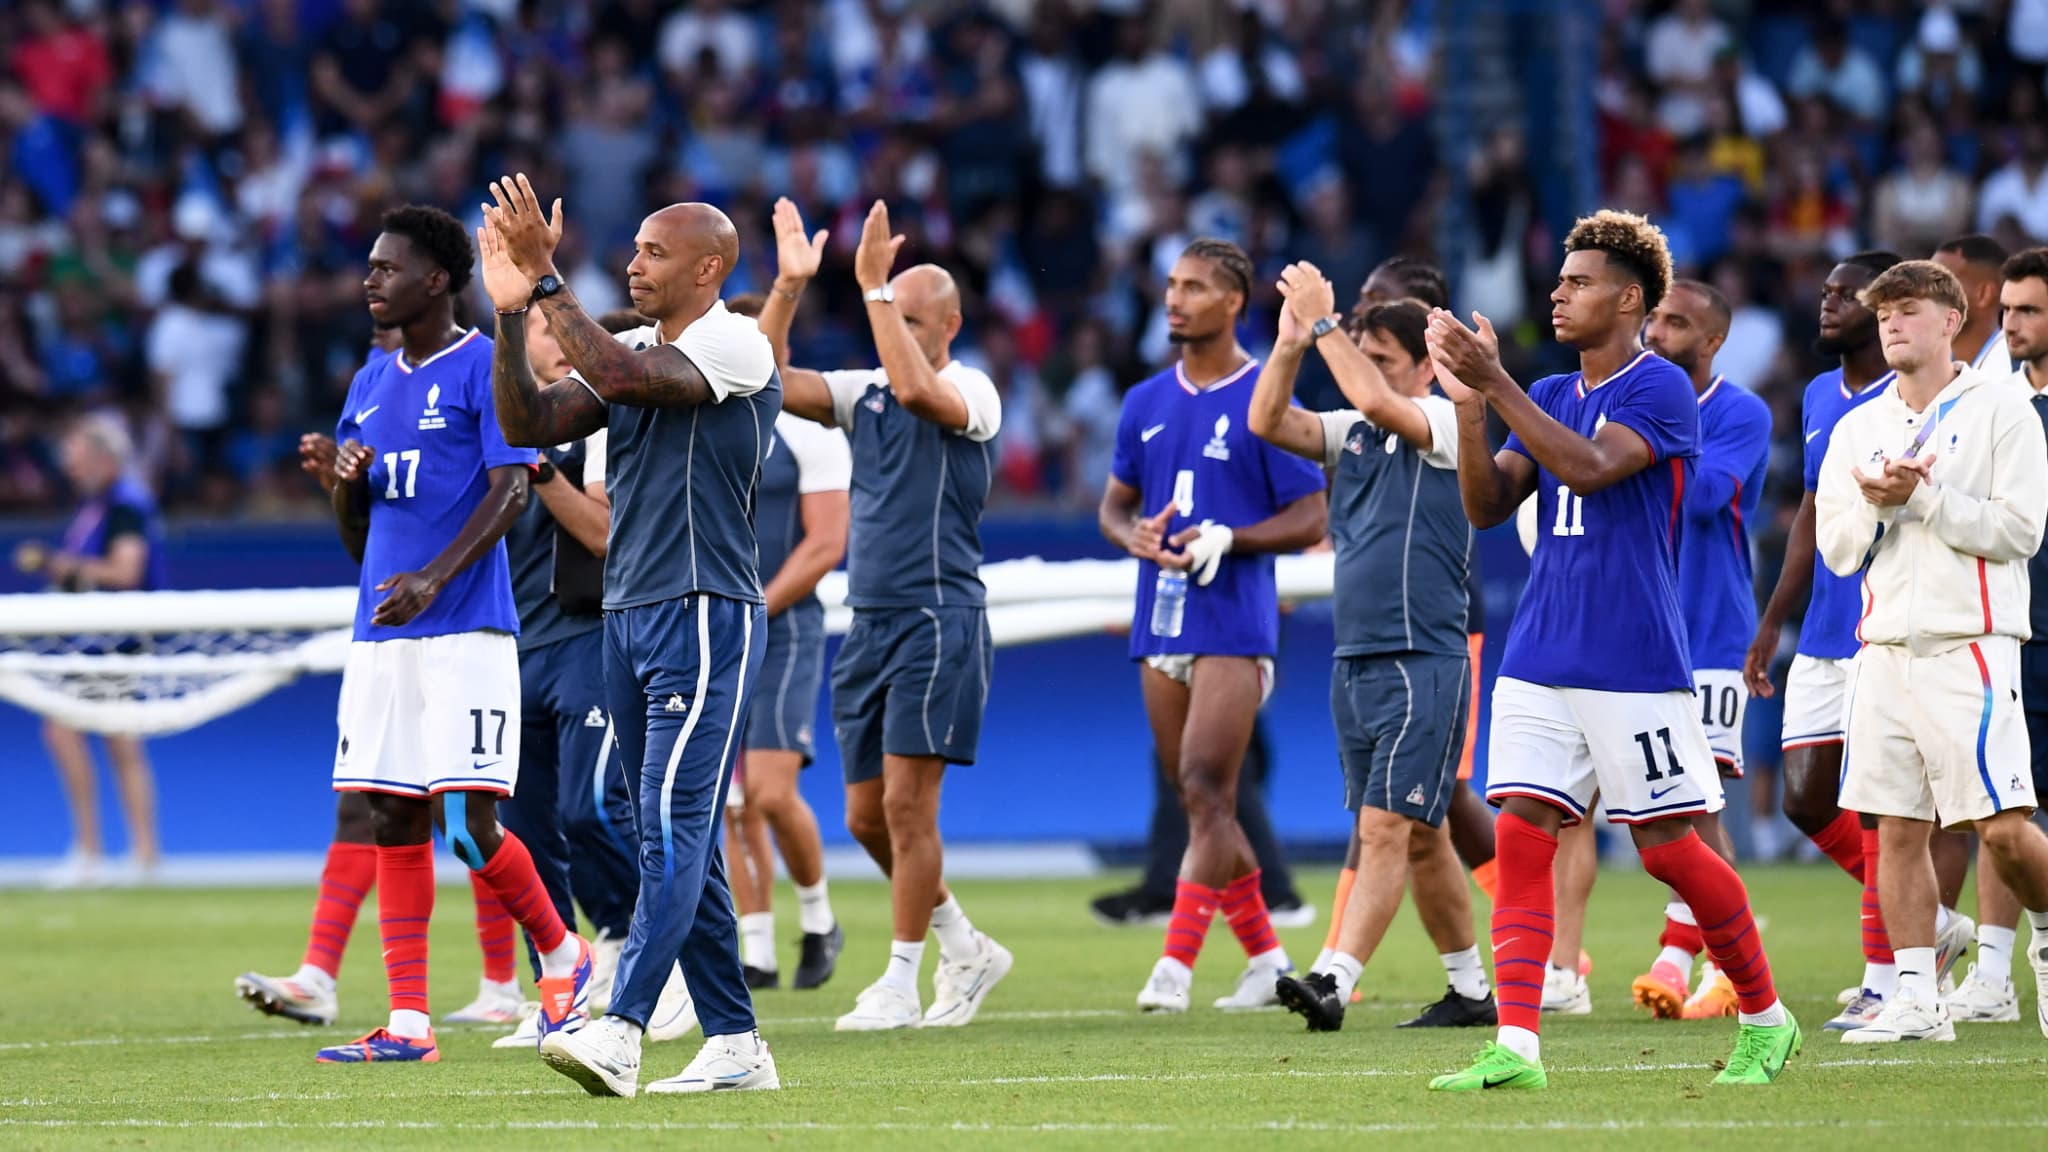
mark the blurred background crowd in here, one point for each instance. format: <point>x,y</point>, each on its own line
<point>190,186</point>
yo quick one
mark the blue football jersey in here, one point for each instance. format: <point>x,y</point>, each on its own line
<point>1829,630</point>
<point>435,433</point>
<point>1715,581</point>
<point>1196,450</point>
<point>1601,607</point>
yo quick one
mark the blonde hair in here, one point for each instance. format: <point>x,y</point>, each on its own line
<point>1630,241</point>
<point>1916,280</point>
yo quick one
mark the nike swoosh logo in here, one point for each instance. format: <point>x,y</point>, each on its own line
<point>1147,435</point>
<point>1811,435</point>
<point>1656,794</point>
<point>481,767</point>
<point>366,413</point>
<point>1498,1081</point>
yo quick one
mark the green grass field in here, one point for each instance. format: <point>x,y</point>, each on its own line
<point>123,1032</point>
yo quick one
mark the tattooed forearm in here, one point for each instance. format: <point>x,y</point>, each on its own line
<point>532,416</point>
<point>657,377</point>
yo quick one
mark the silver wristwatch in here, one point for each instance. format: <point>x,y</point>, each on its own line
<point>883,295</point>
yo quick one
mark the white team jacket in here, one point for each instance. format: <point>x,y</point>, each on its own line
<point>1949,566</point>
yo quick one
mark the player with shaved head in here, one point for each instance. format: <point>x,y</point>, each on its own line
<point>911,680</point>
<point>687,402</point>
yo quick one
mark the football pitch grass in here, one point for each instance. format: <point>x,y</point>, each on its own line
<point>122,1031</point>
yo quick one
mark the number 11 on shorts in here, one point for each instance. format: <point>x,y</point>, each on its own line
<point>1672,766</point>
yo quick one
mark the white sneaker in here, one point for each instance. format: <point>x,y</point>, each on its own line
<point>882,1007</point>
<point>1566,992</point>
<point>1905,1018</point>
<point>959,989</point>
<point>1857,1013</point>
<point>604,967</point>
<point>1982,999</point>
<point>1300,916</point>
<point>1255,991</point>
<point>1167,990</point>
<point>77,870</point>
<point>288,997</point>
<point>1848,995</point>
<point>604,1057</point>
<point>527,1035</point>
<point>1949,946</point>
<point>722,1066</point>
<point>2037,956</point>
<point>675,1013</point>
<point>495,1003</point>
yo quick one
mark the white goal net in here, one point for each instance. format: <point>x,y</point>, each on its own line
<point>150,663</point>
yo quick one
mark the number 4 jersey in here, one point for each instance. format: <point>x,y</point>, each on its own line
<point>1601,608</point>
<point>435,433</point>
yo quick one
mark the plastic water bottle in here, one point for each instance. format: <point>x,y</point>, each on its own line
<point>1169,602</point>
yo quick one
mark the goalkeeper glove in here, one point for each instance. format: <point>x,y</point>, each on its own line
<point>1205,552</point>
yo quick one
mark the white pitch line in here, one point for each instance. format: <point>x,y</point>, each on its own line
<point>1946,1123</point>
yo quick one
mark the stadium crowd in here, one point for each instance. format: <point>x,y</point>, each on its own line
<point>190,185</point>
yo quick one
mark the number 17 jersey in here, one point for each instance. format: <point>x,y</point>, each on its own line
<point>1601,608</point>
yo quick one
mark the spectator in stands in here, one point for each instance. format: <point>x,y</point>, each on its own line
<point>114,543</point>
<point>1924,201</point>
<point>2019,189</point>
<point>1143,103</point>
<point>1833,68</point>
<point>195,354</point>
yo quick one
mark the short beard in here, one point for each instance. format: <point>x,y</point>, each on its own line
<point>1849,343</point>
<point>1686,362</point>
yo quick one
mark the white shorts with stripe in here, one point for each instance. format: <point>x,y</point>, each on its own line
<point>1723,701</point>
<point>429,714</point>
<point>1813,702</point>
<point>1937,737</point>
<point>1643,752</point>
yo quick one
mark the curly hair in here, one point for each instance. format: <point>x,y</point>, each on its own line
<point>1419,279</point>
<point>1231,260</point>
<point>1916,280</point>
<point>1630,242</point>
<point>437,235</point>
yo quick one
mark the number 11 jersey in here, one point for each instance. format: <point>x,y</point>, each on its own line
<point>1601,608</point>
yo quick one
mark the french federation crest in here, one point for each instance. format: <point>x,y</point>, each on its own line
<point>1218,448</point>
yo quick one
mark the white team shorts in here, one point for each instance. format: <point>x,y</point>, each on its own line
<point>1723,699</point>
<point>1180,668</point>
<point>1813,702</point>
<point>1937,737</point>
<point>432,714</point>
<point>1643,752</point>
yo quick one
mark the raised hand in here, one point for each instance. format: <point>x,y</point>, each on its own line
<point>876,254</point>
<point>508,287</point>
<point>530,237</point>
<point>1309,294</point>
<point>796,257</point>
<point>1471,358</point>
<point>411,594</point>
<point>1293,334</point>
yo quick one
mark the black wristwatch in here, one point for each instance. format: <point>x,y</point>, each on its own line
<point>545,287</point>
<point>545,472</point>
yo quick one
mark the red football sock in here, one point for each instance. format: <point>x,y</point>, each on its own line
<point>1842,841</point>
<point>1721,904</point>
<point>1684,937</point>
<point>351,870</point>
<point>1345,880</point>
<point>509,873</point>
<point>405,903</point>
<point>1245,907</point>
<point>1877,943</point>
<point>1194,905</point>
<point>493,931</point>
<point>1524,919</point>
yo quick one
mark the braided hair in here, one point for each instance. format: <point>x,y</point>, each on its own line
<point>1235,265</point>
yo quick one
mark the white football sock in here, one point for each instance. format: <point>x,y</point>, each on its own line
<point>314,979</point>
<point>1916,973</point>
<point>813,908</point>
<point>1679,957</point>
<point>1275,959</point>
<point>1521,1042</point>
<point>561,961</point>
<point>906,959</point>
<point>1882,979</point>
<point>955,931</point>
<point>1772,1017</point>
<point>1466,973</point>
<point>757,940</point>
<point>1344,968</point>
<point>410,1024</point>
<point>1994,953</point>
